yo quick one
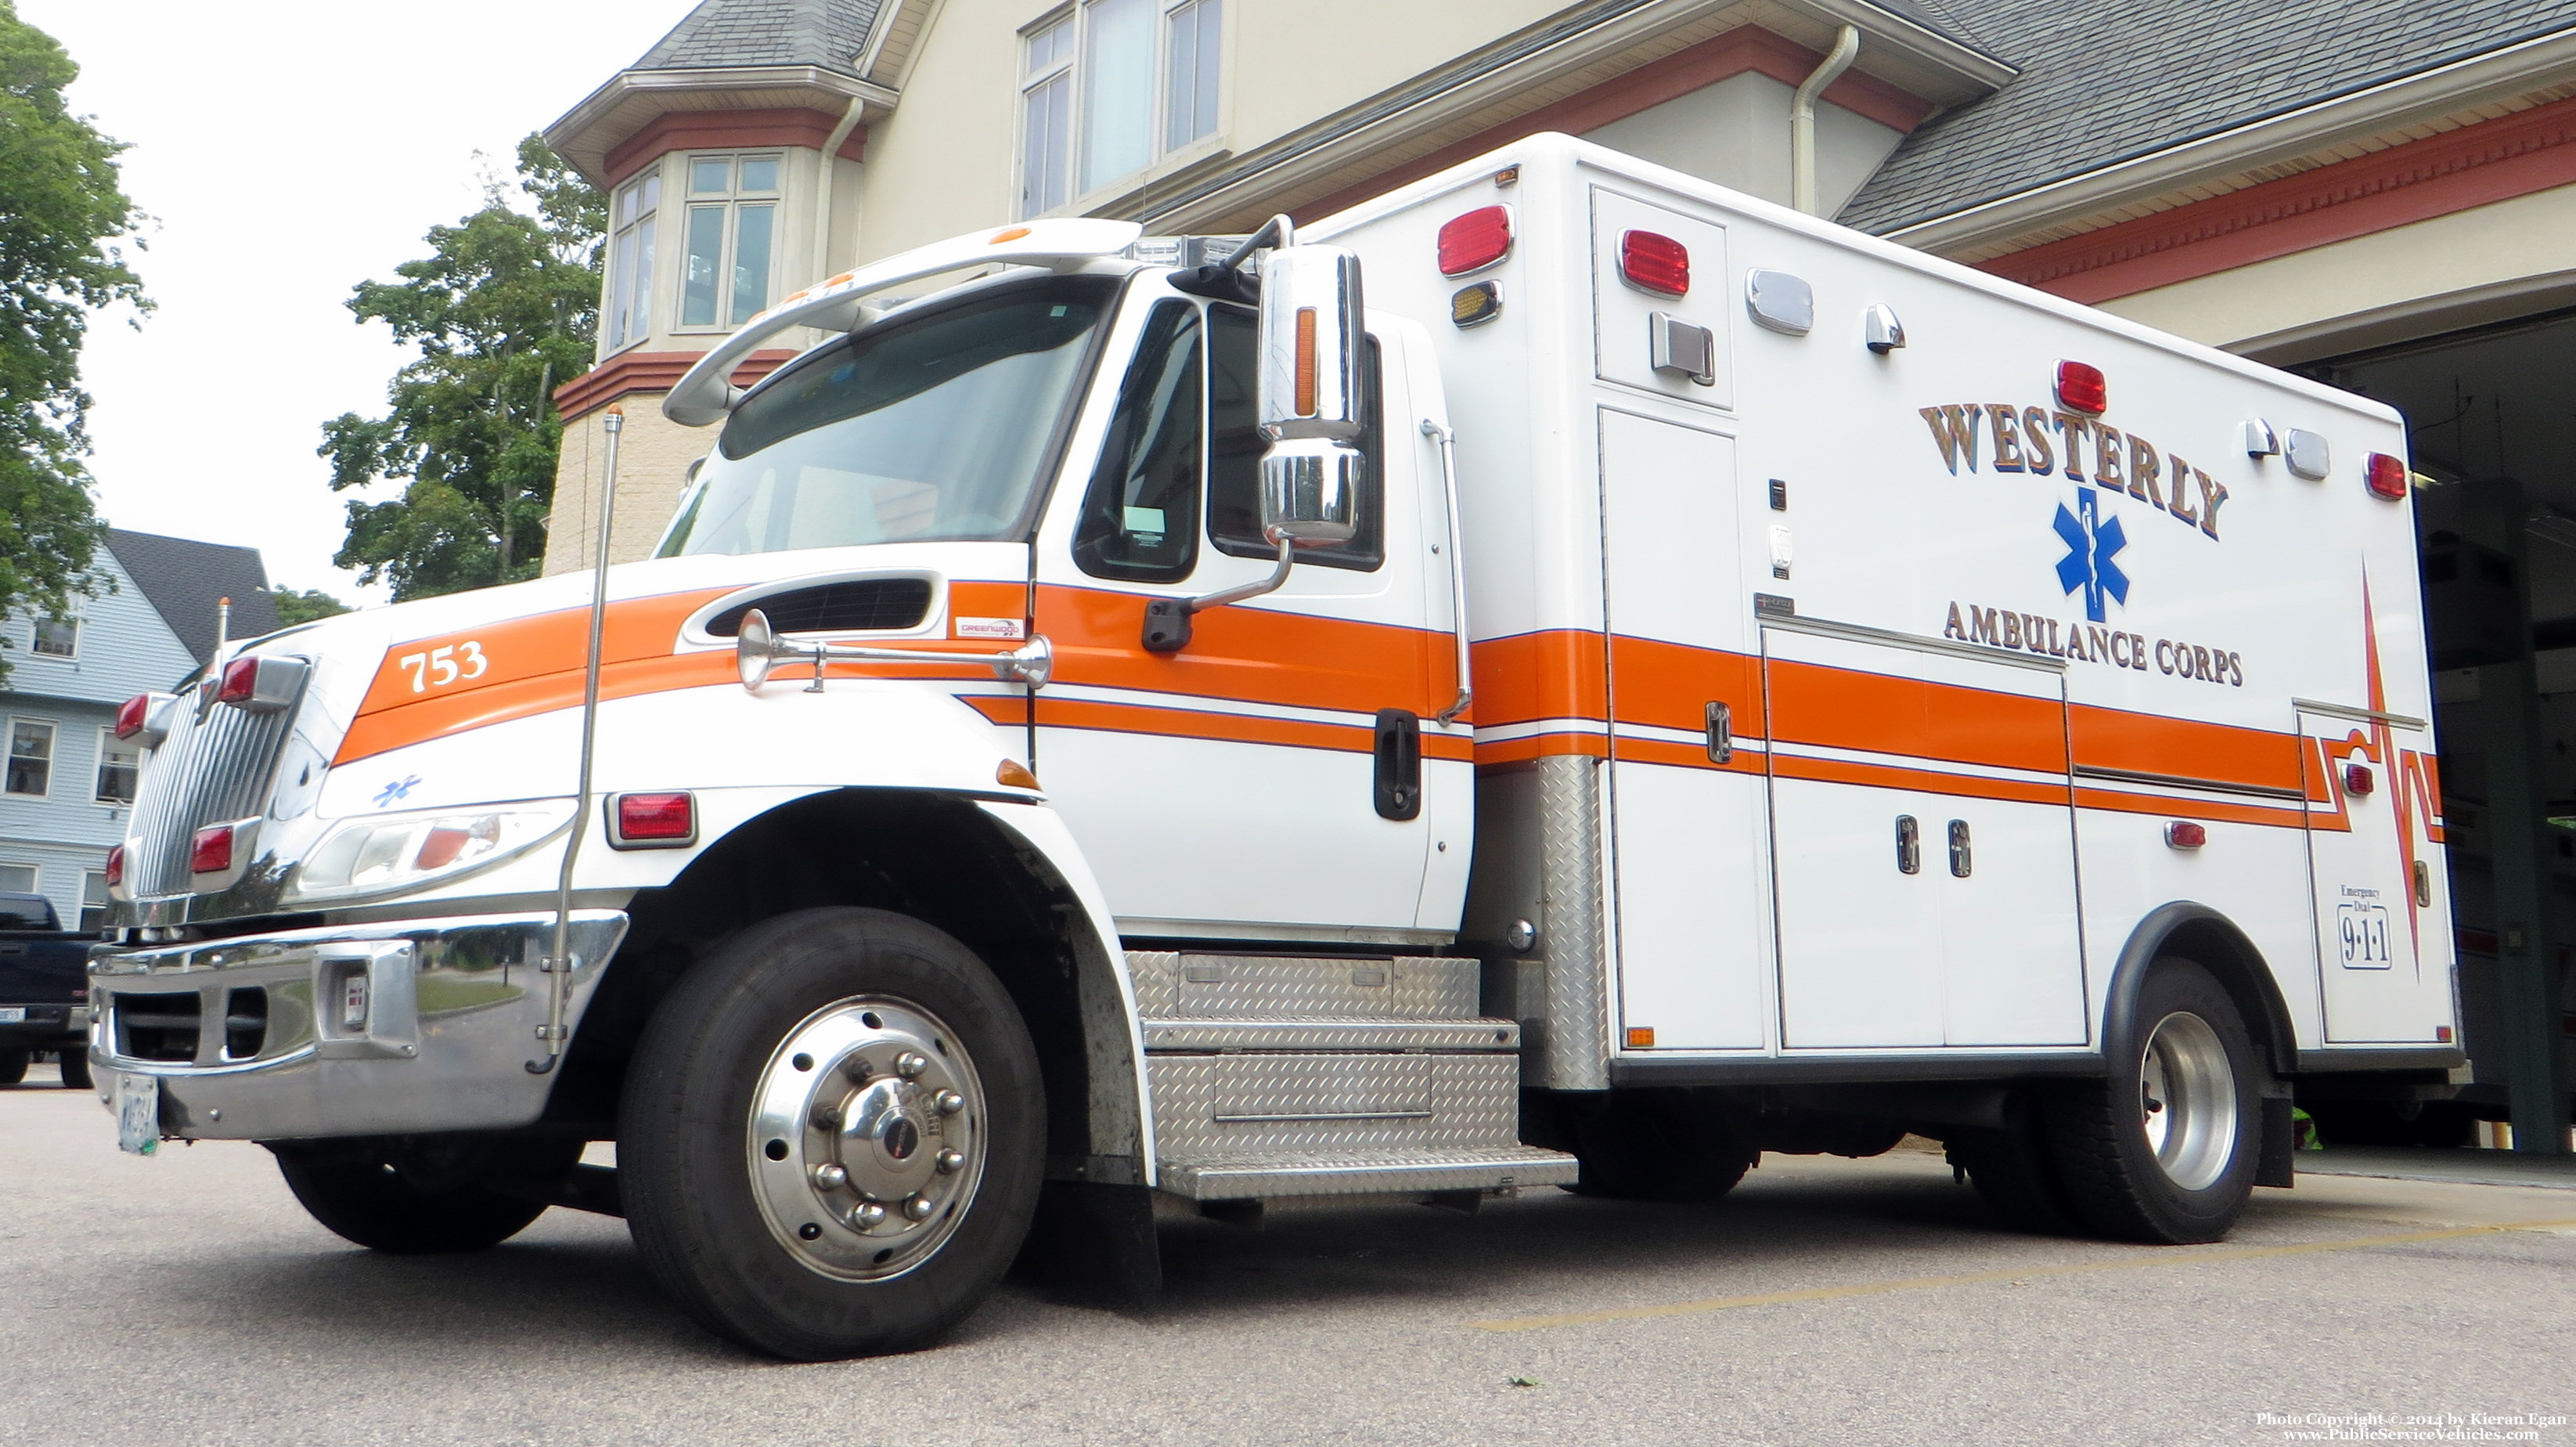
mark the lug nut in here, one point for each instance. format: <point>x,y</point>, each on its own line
<point>866,1214</point>
<point>827,1117</point>
<point>951,1162</point>
<point>858,1068</point>
<point>830,1176</point>
<point>916,1208</point>
<point>949,1102</point>
<point>910,1064</point>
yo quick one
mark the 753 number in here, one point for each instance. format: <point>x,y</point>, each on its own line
<point>439,667</point>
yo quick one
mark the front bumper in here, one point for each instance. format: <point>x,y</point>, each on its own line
<point>378,1029</point>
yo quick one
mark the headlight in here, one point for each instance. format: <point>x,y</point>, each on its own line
<point>382,853</point>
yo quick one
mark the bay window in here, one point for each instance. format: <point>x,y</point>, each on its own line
<point>1107,88</point>
<point>629,314</point>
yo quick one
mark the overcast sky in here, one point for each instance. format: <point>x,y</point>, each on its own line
<point>287,151</point>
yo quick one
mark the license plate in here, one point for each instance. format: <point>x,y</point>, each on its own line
<point>137,1103</point>
<point>13,1014</point>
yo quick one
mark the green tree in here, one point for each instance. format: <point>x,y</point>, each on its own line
<point>60,207</point>
<point>502,310</point>
<point>295,607</point>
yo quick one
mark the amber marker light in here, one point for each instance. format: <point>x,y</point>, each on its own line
<point>1641,1037</point>
<point>1306,361</point>
<point>1011,233</point>
<point>1476,305</point>
<point>1015,774</point>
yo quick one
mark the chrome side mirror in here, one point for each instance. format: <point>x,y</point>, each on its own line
<point>1310,395</point>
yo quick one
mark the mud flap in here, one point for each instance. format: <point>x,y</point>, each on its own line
<point>1093,1245</point>
<point>2276,1165</point>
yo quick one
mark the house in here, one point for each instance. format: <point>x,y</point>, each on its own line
<point>2381,193</point>
<point>69,783</point>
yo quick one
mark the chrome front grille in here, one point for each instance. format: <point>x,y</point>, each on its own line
<point>214,766</point>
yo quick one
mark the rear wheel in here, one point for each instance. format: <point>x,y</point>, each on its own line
<point>2012,1172</point>
<point>75,1060</point>
<point>425,1196</point>
<point>13,1066</point>
<point>832,1135</point>
<point>1658,1145</point>
<point>2165,1148</point>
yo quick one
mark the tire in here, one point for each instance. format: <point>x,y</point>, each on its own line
<point>1658,1145</point>
<point>813,1069</point>
<point>13,1066</point>
<point>425,1197</point>
<point>2164,1150</point>
<point>2013,1174</point>
<point>75,1060</point>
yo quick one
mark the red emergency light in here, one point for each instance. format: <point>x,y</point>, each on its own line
<point>653,821</point>
<point>115,869</point>
<point>211,850</point>
<point>1654,262</point>
<point>2081,387</point>
<point>240,681</point>
<point>1476,240</point>
<point>131,714</point>
<point>2184,834</point>
<point>2357,780</point>
<point>2386,476</point>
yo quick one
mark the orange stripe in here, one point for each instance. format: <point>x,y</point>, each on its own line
<point>1226,727</point>
<point>2141,743</point>
<point>1249,655</point>
<point>1671,685</point>
<point>1561,673</point>
<point>1689,756</point>
<point>1882,713</point>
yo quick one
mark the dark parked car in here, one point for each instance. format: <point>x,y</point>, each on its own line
<point>44,989</point>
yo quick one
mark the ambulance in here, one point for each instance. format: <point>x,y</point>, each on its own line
<point>1562,675</point>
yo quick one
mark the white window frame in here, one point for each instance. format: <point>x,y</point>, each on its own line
<point>9,755</point>
<point>36,638</point>
<point>687,202</point>
<point>1070,69</point>
<point>93,902</point>
<point>98,774</point>
<point>627,284</point>
<point>35,876</point>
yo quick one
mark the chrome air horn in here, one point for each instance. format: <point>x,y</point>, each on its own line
<point>757,649</point>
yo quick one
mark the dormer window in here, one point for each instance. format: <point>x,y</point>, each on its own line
<point>629,318</point>
<point>732,233</point>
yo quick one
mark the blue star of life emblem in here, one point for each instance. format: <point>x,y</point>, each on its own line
<point>2091,542</point>
<point>396,790</point>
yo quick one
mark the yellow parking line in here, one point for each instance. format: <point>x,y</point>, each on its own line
<point>1926,1283</point>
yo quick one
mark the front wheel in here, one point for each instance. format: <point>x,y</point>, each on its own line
<point>425,1195</point>
<point>75,1061</point>
<point>833,1135</point>
<point>2165,1148</point>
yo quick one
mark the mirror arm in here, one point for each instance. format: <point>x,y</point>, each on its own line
<point>1254,589</point>
<point>1447,437</point>
<point>1167,620</point>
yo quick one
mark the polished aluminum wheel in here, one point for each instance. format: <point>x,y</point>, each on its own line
<point>2187,1100</point>
<point>867,1138</point>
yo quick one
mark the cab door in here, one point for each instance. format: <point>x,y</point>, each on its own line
<point>2375,876</point>
<point>1268,778</point>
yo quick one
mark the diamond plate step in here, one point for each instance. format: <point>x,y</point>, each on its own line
<point>1234,1178</point>
<point>1174,985</point>
<point>1206,1036</point>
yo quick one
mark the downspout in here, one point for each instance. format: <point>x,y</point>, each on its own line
<point>1802,119</point>
<point>823,187</point>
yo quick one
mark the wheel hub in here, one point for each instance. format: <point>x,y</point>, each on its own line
<point>2187,1100</point>
<point>867,1138</point>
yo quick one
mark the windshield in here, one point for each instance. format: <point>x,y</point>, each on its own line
<point>930,429</point>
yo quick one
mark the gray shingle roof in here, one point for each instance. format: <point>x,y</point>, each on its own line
<point>2102,83</point>
<point>720,33</point>
<point>182,578</point>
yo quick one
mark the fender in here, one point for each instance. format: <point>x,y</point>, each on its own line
<point>2203,935</point>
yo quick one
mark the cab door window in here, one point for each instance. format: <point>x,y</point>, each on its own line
<point>1235,447</point>
<point>1140,519</point>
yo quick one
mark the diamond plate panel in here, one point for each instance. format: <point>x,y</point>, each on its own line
<point>1332,1103</point>
<point>1222,1178</point>
<point>1331,1034</point>
<point>1575,1047</point>
<point>1287,987</point>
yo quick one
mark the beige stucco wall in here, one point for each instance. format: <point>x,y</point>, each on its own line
<point>653,460</point>
<point>1736,133</point>
<point>2412,266</point>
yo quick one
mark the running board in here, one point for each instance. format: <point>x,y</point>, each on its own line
<point>1215,1036</point>
<point>1385,1172</point>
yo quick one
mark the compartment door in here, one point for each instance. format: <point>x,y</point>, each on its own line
<point>2369,833</point>
<point>1686,830</point>
<point>1923,844</point>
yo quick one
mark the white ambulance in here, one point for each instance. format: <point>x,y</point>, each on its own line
<point>1133,731</point>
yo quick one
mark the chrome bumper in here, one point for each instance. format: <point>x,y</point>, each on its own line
<point>420,1025</point>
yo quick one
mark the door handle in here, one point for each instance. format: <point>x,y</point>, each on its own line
<point>1909,845</point>
<point>1721,733</point>
<point>1397,789</point>
<point>1960,862</point>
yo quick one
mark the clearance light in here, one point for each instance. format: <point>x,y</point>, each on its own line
<point>211,851</point>
<point>1476,240</point>
<point>2081,387</point>
<point>145,719</point>
<point>2386,476</point>
<point>258,684</point>
<point>1641,1037</point>
<point>1653,262</point>
<point>1015,774</point>
<point>652,821</point>
<point>131,714</point>
<point>2357,780</point>
<point>2442,1034</point>
<point>241,680</point>
<point>1476,305</point>
<point>2183,834</point>
<point>115,870</point>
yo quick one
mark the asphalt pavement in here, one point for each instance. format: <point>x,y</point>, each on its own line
<point>184,1298</point>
